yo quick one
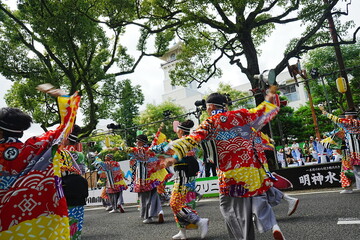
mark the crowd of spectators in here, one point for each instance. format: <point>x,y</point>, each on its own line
<point>309,151</point>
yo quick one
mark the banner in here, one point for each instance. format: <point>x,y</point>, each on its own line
<point>315,176</point>
<point>325,175</point>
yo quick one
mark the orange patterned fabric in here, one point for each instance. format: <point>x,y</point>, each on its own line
<point>182,194</point>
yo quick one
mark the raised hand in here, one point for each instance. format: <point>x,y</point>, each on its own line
<point>50,89</point>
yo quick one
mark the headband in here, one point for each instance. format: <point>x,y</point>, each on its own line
<point>184,128</point>
<point>2,124</point>
<point>73,137</point>
<point>217,104</point>
<point>351,113</point>
<point>142,140</point>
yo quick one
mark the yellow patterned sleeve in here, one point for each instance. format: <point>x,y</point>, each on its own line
<point>183,145</point>
<point>265,106</point>
<point>333,118</point>
<point>262,114</point>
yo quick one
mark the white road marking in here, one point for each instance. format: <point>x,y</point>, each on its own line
<point>348,221</point>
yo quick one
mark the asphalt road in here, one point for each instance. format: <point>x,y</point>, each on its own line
<point>322,214</point>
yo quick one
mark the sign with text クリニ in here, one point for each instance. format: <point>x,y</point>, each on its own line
<point>208,186</point>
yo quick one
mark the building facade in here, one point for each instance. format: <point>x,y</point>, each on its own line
<point>183,96</point>
<point>186,96</point>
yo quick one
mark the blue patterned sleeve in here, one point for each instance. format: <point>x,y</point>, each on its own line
<point>159,148</point>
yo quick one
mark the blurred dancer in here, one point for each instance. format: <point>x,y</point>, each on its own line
<point>33,168</point>
<point>184,193</point>
<point>148,172</point>
<point>115,184</point>
<point>351,161</point>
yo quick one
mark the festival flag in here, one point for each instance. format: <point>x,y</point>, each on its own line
<point>159,136</point>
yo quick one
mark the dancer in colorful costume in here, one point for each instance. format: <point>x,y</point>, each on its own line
<point>274,195</point>
<point>32,202</point>
<point>104,197</point>
<point>74,185</point>
<point>115,184</point>
<point>351,160</point>
<point>148,172</point>
<point>184,191</point>
<point>243,180</point>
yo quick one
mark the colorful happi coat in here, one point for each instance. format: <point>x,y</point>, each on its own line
<point>72,162</point>
<point>32,203</point>
<point>114,175</point>
<point>148,170</point>
<point>352,151</point>
<point>236,148</point>
<point>183,194</point>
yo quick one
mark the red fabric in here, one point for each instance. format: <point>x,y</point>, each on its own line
<point>32,195</point>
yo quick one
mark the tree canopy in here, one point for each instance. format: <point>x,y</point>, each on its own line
<point>324,88</point>
<point>152,117</point>
<point>234,30</point>
<point>60,42</point>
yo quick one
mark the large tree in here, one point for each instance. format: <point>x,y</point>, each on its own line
<point>234,29</point>
<point>60,42</point>
<point>323,87</point>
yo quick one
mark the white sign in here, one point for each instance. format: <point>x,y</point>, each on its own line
<point>206,186</point>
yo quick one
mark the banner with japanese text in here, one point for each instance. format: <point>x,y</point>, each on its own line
<point>325,175</point>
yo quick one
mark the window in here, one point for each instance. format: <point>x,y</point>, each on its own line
<point>291,93</point>
<point>172,57</point>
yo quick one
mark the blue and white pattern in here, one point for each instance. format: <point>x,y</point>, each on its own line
<point>77,213</point>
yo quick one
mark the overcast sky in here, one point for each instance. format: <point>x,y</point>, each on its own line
<point>150,76</point>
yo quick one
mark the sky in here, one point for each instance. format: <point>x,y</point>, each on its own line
<point>150,76</point>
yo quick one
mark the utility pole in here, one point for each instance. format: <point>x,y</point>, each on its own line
<point>294,70</point>
<point>313,114</point>
<point>340,59</point>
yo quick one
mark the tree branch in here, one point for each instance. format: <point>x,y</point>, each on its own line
<point>299,48</point>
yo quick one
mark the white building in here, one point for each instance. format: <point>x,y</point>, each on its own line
<point>296,95</point>
<point>183,96</point>
<point>186,96</point>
